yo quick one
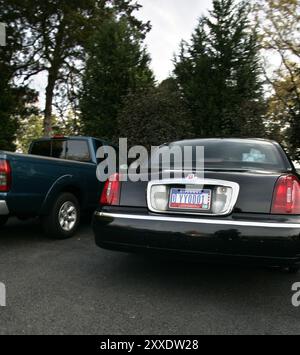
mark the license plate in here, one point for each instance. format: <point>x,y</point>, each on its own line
<point>190,199</point>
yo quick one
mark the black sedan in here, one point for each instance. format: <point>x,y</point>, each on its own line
<point>243,207</point>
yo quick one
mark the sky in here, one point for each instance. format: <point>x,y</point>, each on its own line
<point>172,21</point>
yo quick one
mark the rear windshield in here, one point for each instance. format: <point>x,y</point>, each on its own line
<point>235,154</point>
<point>77,150</point>
<point>42,148</point>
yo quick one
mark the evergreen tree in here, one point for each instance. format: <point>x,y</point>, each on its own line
<point>15,101</point>
<point>52,35</point>
<point>117,64</point>
<point>154,116</point>
<point>219,73</point>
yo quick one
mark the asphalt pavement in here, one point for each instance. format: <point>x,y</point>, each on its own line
<point>73,287</point>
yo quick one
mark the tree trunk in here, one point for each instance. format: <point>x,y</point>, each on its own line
<point>53,73</point>
<point>48,106</point>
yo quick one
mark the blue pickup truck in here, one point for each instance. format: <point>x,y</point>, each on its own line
<point>56,181</point>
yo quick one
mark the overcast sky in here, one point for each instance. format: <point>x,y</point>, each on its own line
<point>172,21</point>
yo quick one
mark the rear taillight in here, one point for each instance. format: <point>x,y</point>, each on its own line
<point>111,192</point>
<point>286,199</point>
<point>5,176</point>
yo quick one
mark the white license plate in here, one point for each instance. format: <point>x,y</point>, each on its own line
<point>190,199</point>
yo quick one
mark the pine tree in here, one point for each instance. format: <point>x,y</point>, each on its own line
<point>219,73</point>
<point>16,102</point>
<point>151,117</point>
<point>117,64</point>
<point>52,35</point>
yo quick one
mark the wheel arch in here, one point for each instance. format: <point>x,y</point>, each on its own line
<point>64,184</point>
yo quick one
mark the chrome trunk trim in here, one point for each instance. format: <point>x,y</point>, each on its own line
<point>212,221</point>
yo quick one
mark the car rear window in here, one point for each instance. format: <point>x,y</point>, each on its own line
<point>235,154</point>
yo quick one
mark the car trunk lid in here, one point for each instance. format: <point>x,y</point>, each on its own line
<point>254,193</point>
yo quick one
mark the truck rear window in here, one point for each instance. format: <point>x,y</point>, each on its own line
<point>76,150</point>
<point>42,148</point>
<point>59,149</point>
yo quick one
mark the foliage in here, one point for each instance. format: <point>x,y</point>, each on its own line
<point>280,36</point>
<point>153,116</point>
<point>283,114</point>
<point>67,124</point>
<point>279,26</point>
<point>30,128</point>
<point>16,102</point>
<point>117,64</point>
<point>219,73</point>
<point>52,35</point>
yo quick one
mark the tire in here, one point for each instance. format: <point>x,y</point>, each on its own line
<point>3,220</point>
<point>63,220</point>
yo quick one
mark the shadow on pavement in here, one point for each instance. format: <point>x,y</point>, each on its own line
<point>230,282</point>
<point>29,231</point>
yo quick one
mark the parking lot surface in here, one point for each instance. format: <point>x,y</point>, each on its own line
<point>73,287</point>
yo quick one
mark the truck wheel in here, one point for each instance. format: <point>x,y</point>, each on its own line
<point>63,220</point>
<point>3,220</point>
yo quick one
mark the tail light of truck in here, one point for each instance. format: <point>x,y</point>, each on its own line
<point>111,193</point>
<point>286,198</point>
<point>5,176</point>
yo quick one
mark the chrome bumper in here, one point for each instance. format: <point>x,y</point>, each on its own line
<point>274,241</point>
<point>4,211</point>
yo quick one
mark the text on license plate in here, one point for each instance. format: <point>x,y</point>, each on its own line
<point>190,199</point>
